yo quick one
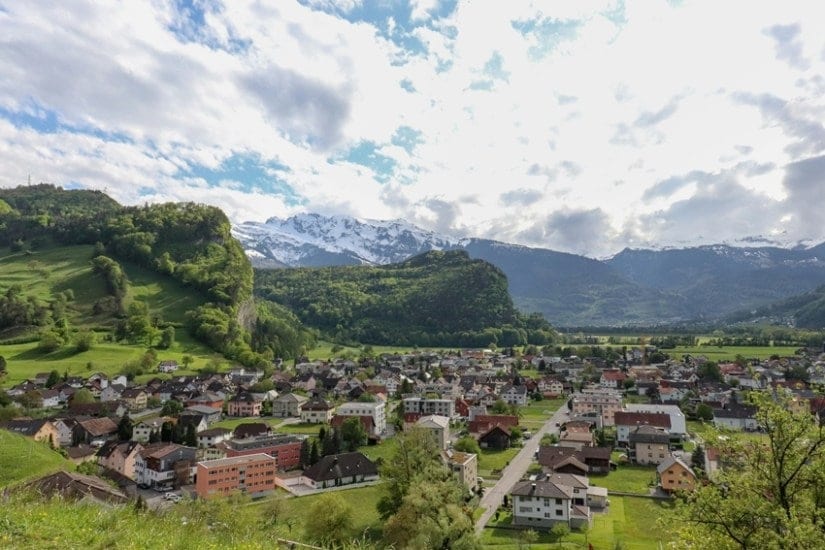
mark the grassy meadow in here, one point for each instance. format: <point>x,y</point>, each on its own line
<point>44,273</point>
<point>23,458</point>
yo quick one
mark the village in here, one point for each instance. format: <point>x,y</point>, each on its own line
<point>537,440</point>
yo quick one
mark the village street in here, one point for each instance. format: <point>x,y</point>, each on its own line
<point>513,472</point>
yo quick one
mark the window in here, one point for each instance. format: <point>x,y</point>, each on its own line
<point>559,512</point>
<point>558,501</point>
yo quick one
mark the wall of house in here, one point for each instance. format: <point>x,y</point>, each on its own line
<point>540,512</point>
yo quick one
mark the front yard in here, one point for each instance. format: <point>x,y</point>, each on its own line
<point>627,478</point>
<point>490,460</point>
<point>629,521</point>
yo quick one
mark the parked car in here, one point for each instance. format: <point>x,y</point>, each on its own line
<point>173,497</point>
<point>163,489</point>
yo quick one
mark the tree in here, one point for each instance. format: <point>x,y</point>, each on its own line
<point>167,338</point>
<point>3,365</point>
<point>187,360</point>
<point>353,434</point>
<point>770,492</point>
<point>416,456</point>
<point>191,437</point>
<point>500,407</point>
<point>305,453</point>
<point>697,458</point>
<point>467,444</point>
<point>124,428</point>
<point>54,378</point>
<point>82,397</point>
<point>172,407</point>
<point>559,531</point>
<point>329,520</point>
<point>84,340</point>
<point>314,453</point>
<point>50,340</point>
<point>704,412</point>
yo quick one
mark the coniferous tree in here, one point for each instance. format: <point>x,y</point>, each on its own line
<point>124,427</point>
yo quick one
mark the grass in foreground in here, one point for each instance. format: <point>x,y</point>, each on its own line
<point>627,478</point>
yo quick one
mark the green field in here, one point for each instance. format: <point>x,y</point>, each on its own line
<point>534,415</point>
<point>45,272</point>
<point>729,353</point>
<point>23,458</point>
<point>629,521</point>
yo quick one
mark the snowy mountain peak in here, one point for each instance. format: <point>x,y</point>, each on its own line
<point>313,239</point>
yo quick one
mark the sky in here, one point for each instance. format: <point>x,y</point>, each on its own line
<point>581,126</point>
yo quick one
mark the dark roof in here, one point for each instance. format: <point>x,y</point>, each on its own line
<point>25,427</point>
<point>260,442</point>
<point>111,446</point>
<point>77,486</point>
<point>735,411</point>
<point>98,426</point>
<point>543,489</point>
<point>649,434</point>
<point>333,467</point>
<point>249,429</point>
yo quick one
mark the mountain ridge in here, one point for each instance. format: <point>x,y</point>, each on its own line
<point>633,287</point>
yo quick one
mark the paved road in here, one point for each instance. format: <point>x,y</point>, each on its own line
<point>493,496</point>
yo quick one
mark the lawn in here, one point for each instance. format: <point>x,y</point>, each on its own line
<point>383,450</point>
<point>23,458</point>
<point>490,460</point>
<point>323,350</point>
<point>630,521</point>
<point>627,478</point>
<point>536,413</point>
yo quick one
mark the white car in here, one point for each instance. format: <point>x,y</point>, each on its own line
<point>173,497</point>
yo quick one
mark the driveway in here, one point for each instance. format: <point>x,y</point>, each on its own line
<point>513,472</point>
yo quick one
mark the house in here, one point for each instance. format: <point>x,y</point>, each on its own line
<point>736,417</point>
<point>515,395</point>
<point>210,414</point>
<point>189,418</point>
<point>119,456</point>
<point>39,430</point>
<point>112,392</point>
<point>464,466</point>
<point>49,399</point>
<point>288,404</point>
<point>95,430</point>
<point>340,469</point>
<point>286,449</point>
<point>497,437</point>
<point>483,422</point>
<point>167,366</point>
<point>596,460</point>
<point>135,398</point>
<point>439,426</point>
<point>165,464</point>
<point>251,429</point>
<point>627,421</point>
<point>213,436</point>
<point>244,403</point>
<point>74,486</point>
<point>612,379</point>
<point>550,387</point>
<point>678,425</point>
<point>316,411</point>
<point>649,445</point>
<point>545,503</point>
<point>65,430</point>
<point>143,430</point>
<point>252,474</point>
<point>213,400</point>
<point>675,475</point>
<point>576,436</point>
<point>377,411</point>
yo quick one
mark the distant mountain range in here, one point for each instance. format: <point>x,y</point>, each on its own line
<point>634,287</point>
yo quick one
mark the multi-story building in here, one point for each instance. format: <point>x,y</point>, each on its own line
<point>545,503</point>
<point>377,411</point>
<point>286,449</point>
<point>316,411</point>
<point>252,474</point>
<point>165,464</point>
<point>678,426</point>
<point>464,466</point>
<point>649,445</point>
<point>602,403</point>
<point>244,404</point>
<point>627,421</point>
<point>426,406</point>
<point>120,457</point>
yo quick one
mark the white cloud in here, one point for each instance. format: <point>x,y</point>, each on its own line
<point>585,108</point>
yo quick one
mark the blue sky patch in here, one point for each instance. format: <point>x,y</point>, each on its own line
<point>250,173</point>
<point>48,121</point>
<point>191,26</point>
<point>366,154</point>
<point>407,138</point>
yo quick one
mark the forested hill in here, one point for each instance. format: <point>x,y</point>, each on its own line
<point>436,298</point>
<point>188,242</point>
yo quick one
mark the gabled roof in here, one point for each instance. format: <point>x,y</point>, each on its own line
<point>670,462</point>
<point>543,489</point>
<point>98,426</point>
<point>333,467</point>
<point>25,427</point>
<point>626,418</point>
<point>77,486</point>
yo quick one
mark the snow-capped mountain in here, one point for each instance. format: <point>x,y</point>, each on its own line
<point>640,286</point>
<point>315,240</point>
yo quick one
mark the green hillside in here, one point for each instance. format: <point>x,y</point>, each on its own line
<point>77,261</point>
<point>437,298</point>
<point>22,458</point>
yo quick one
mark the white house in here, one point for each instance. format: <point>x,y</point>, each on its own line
<point>678,426</point>
<point>548,502</point>
<point>439,426</point>
<point>377,410</point>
